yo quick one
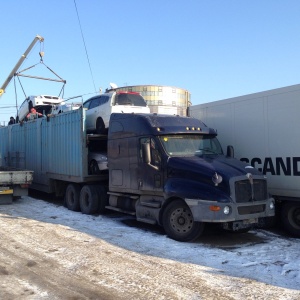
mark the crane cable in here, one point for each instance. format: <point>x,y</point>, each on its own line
<point>15,87</point>
<point>19,74</point>
<point>87,56</point>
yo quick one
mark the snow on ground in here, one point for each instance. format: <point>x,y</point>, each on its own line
<point>259,255</point>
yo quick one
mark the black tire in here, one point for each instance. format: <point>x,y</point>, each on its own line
<point>290,217</point>
<point>88,200</point>
<point>93,168</point>
<point>103,198</point>
<point>72,197</point>
<point>179,224</point>
<point>100,127</point>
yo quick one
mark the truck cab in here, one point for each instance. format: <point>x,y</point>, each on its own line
<point>172,171</point>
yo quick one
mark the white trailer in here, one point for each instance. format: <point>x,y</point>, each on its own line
<point>264,130</point>
<point>14,183</point>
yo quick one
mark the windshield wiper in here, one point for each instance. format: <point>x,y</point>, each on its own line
<point>200,151</point>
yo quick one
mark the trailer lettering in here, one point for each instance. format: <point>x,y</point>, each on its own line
<point>285,168</point>
<point>288,167</point>
<point>268,166</point>
<point>296,167</point>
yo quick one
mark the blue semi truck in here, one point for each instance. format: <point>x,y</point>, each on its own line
<point>165,170</point>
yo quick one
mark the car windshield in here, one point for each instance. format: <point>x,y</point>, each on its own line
<point>190,145</point>
<point>133,99</point>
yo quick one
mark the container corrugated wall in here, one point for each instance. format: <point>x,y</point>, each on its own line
<point>53,148</point>
<point>3,145</point>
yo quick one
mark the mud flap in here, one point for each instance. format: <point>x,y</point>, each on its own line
<point>6,196</point>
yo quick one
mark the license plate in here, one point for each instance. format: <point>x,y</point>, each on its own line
<point>250,221</point>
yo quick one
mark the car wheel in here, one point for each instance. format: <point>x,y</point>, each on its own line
<point>100,127</point>
<point>93,168</point>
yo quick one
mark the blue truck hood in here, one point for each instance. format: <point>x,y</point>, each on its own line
<point>193,176</point>
<point>208,165</point>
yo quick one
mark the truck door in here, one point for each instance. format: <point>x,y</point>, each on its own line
<point>150,171</point>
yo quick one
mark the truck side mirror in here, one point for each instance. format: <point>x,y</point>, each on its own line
<point>230,151</point>
<point>146,153</point>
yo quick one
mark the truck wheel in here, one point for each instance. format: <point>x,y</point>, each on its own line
<point>100,127</point>
<point>88,199</point>
<point>103,198</point>
<point>72,197</point>
<point>290,217</point>
<point>179,224</point>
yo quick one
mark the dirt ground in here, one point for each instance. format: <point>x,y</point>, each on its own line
<point>49,261</point>
<point>40,260</point>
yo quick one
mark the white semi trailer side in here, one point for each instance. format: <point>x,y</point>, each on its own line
<point>264,130</point>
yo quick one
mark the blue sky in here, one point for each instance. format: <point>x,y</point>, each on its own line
<point>215,49</point>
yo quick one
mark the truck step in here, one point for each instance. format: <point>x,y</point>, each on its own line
<point>145,220</point>
<point>123,195</point>
<point>154,204</point>
<point>121,210</point>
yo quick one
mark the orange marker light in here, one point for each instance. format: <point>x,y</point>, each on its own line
<point>214,208</point>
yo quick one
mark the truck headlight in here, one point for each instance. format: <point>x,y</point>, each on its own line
<point>272,205</point>
<point>226,210</point>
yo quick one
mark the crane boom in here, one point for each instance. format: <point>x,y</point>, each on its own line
<point>19,63</point>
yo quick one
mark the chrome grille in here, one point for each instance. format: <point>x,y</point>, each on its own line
<point>252,209</point>
<point>243,190</point>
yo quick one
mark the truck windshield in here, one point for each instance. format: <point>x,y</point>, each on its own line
<point>190,145</point>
